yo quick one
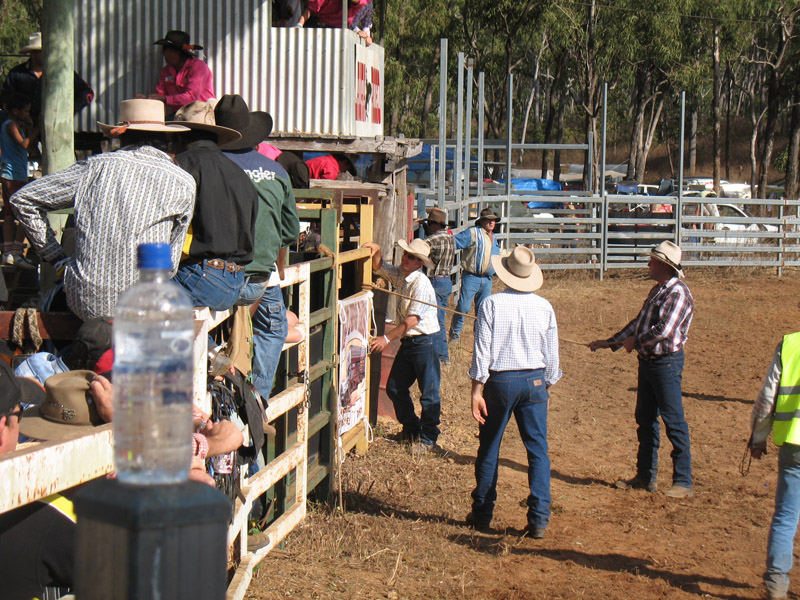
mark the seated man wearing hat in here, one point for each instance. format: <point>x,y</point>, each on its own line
<point>479,245</point>
<point>443,250</point>
<point>135,195</point>
<point>416,359</point>
<point>277,228</point>
<point>514,364</point>
<point>658,334</point>
<point>220,239</point>
<point>184,78</point>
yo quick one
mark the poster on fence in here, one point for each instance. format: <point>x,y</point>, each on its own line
<point>355,314</point>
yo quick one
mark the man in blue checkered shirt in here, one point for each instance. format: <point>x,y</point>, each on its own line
<point>513,366</point>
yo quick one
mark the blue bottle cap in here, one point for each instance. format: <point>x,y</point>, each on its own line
<point>154,256</point>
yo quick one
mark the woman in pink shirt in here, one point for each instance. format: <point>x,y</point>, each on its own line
<point>184,78</point>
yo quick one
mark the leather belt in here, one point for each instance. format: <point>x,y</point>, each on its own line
<point>218,263</point>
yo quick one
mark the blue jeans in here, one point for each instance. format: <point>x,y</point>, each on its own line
<point>660,393</point>
<point>443,287</point>
<point>523,394</point>
<point>251,293</point>
<point>472,286</point>
<point>269,334</point>
<point>416,361</point>
<point>780,543</point>
<point>218,289</point>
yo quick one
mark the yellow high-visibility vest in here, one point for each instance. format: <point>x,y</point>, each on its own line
<point>786,425</point>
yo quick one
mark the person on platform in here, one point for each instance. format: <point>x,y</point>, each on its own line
<point>515,361</point>
<point>26,79</point>
<point>416,359</point>
<point>184,78</point>
<point>658,334</point>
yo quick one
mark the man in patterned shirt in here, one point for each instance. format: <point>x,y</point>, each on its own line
<point>479,245</point>
<point>443,249</point>
<point>658,334</point>
<point>416,359</point>
<point>513,366</point>
<point>133,196</point>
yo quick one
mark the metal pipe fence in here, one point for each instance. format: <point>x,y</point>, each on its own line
<point>585,231</point>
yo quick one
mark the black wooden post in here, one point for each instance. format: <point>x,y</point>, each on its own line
<point>149,542</point>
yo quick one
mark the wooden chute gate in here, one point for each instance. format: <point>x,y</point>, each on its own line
<point>302,459</point>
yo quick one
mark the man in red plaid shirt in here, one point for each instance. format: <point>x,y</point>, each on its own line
<point>658,335</point>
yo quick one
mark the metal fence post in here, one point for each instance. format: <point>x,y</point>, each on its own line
<point>679,208</point>
<point>480,139</point>
<point>442,119</point>
<point>506,208</point>
<point>468,138</point>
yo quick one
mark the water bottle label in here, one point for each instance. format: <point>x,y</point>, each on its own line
<point>175,396</point>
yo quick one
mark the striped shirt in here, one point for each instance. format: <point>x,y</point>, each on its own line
<point>515,331</point>
<point>662,326</point>
<point>443,250</point>
<point>122,199</point>
<point>418,287</point>
<point>479,247</point>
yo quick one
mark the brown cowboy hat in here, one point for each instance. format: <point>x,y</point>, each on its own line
<point>67,407</point>
<point>140,114</point>
<point>488,214</point>
<point>436,215</point>
<point>519,270</point>
<point>200,116</point>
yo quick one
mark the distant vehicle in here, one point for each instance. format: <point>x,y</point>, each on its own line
<point>734,212</point>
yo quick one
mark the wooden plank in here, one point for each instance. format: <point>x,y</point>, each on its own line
<point>52,325</point>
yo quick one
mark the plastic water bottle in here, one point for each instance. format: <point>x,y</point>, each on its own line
<point>153,337</point>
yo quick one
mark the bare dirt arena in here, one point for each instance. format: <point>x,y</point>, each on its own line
<point>402,534</point>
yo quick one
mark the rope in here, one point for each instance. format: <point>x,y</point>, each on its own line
<point>369,286</point>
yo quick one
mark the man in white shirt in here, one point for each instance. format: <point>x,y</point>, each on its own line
<point>416,360</point>
<point>514,364</point>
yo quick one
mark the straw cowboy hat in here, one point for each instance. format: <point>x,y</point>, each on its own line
<point>519,270</point>
<point>34,43</point>
<point>232,112</point>
<point>669,254</point>
<point>488,214</point>
<point>178,40</point>
<point>66,409</point>
<point>199,116</point>
<point>418,248</point>
<point>140,115</point>
<point>436,215</point>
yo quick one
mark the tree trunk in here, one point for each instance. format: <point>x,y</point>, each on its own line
<point>559,137</point>
<point>716,110</point>
<point>429,85</point>
<point>655,117</point>
<point>793,152</point>
<point>729,77</point>
<point>693,117</point>
<point>773,112</point>
<point>639,105</point>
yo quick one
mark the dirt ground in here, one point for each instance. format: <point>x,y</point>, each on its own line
<point>401,534</point>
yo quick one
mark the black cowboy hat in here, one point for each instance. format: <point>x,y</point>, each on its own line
<point>232,112</point>
<point>178,40</point>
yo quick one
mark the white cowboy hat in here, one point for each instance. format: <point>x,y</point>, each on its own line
<point>418,248</point>
<point>200,116</point>
<point>34,43</point>
<point>519,270</point>
<point>669,254</point>
<point>140,115</point>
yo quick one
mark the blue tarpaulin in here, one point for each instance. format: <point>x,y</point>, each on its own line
<point>536,185</point>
